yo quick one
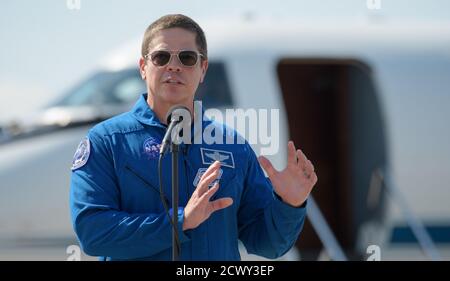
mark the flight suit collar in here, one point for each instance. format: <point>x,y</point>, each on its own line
<point>144,114</point>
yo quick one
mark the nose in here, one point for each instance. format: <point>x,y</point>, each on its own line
<point>174,64</point>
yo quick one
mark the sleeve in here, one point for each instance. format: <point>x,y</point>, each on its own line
<point>101,227</point>
<point>267,226</point>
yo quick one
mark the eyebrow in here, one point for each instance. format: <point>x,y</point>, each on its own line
<point>172,51</point>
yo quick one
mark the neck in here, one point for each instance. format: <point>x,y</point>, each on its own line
<point>161,108</point>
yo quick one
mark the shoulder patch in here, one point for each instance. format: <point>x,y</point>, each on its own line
<point>82,154</point>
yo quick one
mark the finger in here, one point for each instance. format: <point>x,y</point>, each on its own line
<point>306,167</point>
<point>219,204</point>
<point>292,158</point>
<point>310,165</point>
<point>208,194</point>
<point>211,169</point>
<point>267,166</point>
<point>301,159</point>
<point>205,182</point>
<point>314,178</point>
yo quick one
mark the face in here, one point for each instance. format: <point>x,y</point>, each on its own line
<point>173,83</point>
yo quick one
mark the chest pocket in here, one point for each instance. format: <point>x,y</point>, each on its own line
<point>140,183</point>
<point>139,186</point>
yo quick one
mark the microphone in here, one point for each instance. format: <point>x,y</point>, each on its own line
<point>178,117</point>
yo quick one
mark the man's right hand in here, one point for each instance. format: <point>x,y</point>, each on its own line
<point>199,208</point>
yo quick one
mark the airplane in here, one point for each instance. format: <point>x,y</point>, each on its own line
<point>346,95</point>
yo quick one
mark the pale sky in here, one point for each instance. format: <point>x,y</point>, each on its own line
<point>46,47</point>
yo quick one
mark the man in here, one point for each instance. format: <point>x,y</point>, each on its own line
<point>116,207</point>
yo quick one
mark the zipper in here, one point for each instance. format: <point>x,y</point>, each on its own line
<point>146,182</point>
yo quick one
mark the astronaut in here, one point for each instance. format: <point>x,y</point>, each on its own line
<point>224,196</point>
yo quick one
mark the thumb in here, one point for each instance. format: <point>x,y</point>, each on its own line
<point>219,204</point>
<point>267,166</point>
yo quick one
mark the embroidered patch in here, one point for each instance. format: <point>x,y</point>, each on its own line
<point>82,154</point>
<point>151,147</point>
<point>209,156</point>
<point>200,173</point>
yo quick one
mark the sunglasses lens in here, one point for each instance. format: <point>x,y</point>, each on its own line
<point>160,58</point>
<point>188,58</point>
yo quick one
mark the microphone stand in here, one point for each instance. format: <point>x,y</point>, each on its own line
<point>174,117</point>
<point>175,149</point>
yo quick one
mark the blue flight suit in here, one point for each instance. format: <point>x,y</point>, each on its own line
<point>116,208</point>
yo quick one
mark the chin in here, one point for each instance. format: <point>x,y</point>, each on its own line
<point>175,98</point>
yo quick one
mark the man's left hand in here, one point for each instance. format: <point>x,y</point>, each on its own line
<point>296,181</point>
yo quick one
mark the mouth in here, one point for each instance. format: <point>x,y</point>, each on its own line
<point>172,81</point>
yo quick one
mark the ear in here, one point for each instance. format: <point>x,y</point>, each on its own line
<point>204,69</point>
<point>142,65</point>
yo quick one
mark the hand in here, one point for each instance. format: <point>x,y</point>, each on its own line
<point>199,208</point>
<point>296,181</point>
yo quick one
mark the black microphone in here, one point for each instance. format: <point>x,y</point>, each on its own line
<point>177,115</point>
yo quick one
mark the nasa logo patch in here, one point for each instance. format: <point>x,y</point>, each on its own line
<point>82,154</point>
<point>151,147</point>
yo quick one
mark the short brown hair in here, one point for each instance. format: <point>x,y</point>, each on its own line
<point>172,21</point>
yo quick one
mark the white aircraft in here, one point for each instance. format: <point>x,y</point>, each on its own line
<point>357,99</point>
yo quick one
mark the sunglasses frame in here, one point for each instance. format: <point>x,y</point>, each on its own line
<point>174,53</point>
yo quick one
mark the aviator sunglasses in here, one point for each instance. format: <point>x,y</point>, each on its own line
<point>162,57</point>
